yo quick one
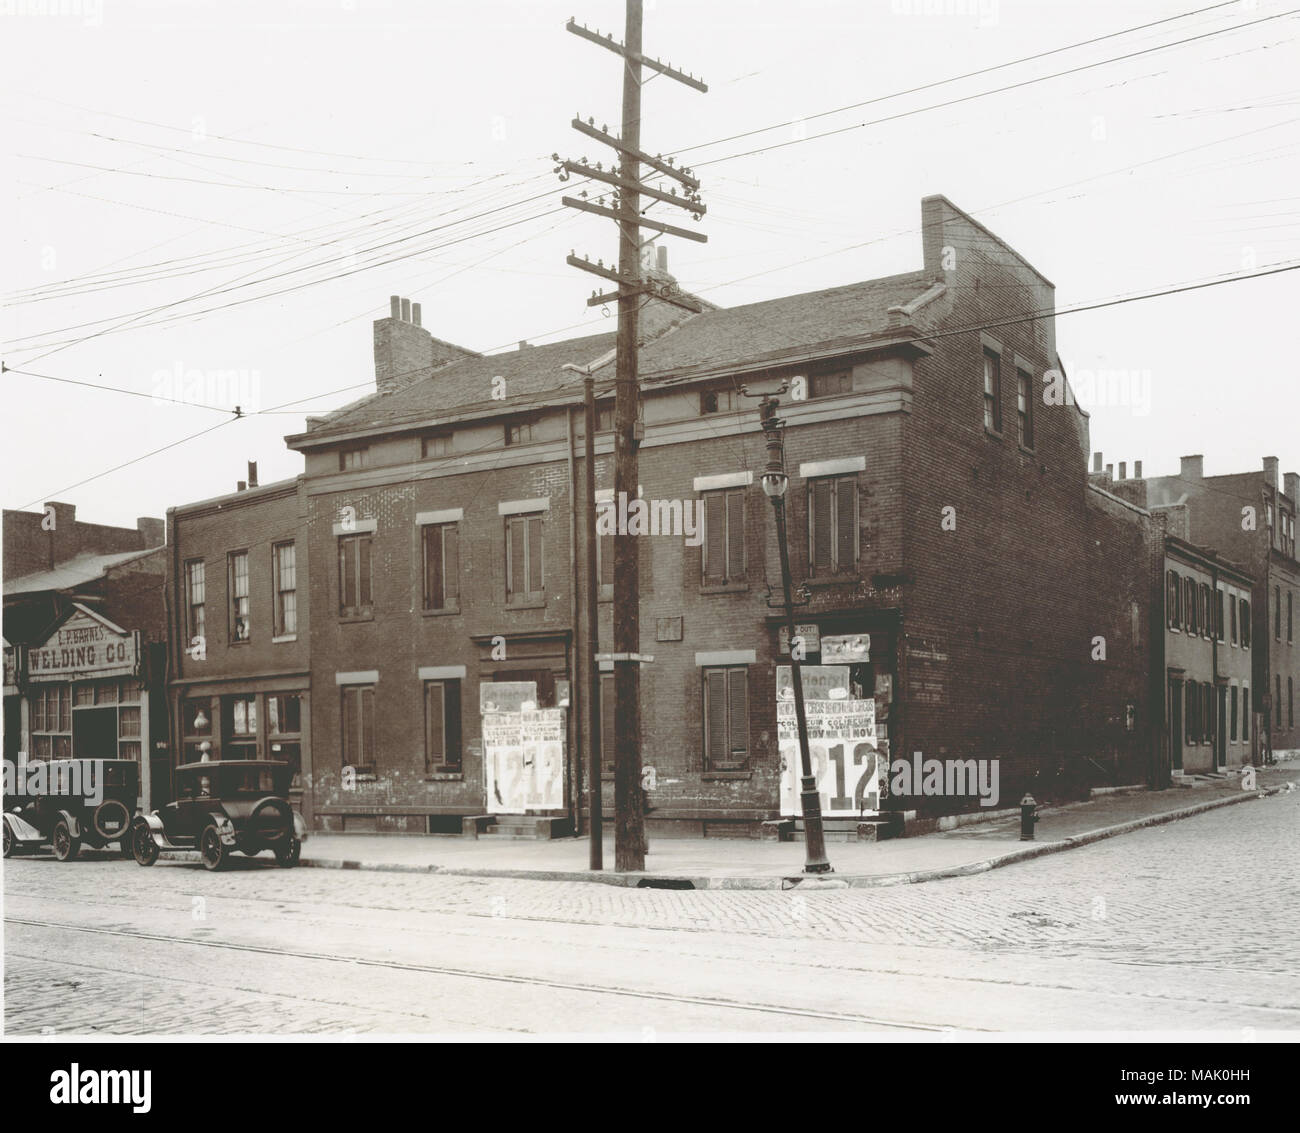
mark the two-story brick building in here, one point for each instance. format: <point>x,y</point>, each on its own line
<point>957,567</point>
<point>240,683</point>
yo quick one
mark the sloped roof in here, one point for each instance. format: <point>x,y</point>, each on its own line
<point>75,572</point>
<point>750,334</point>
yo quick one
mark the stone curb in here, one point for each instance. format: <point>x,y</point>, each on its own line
<point>834,881</point>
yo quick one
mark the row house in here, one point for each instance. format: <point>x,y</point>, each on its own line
<point>240,683</point>
<point>957,570</point>
<point>1249,518</point>
<point>85,642</point>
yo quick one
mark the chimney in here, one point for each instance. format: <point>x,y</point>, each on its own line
<point>63,540</point>
<point>405,352</point>
<point>1137,470</point>
<point>241,485</point>
<point>523,344</point>
<point>1110,471</point>
<point>1191,468</point>
<point>415,313</point>
<point>406,310</point>
<point>661,257</point>
<point>1123,469</point>
<point>1270,471</point>
<point>394,306</point>
<point>1096,462</point>
<point>252,474</point>
<point>153,532</point>
<point>1292,481</point>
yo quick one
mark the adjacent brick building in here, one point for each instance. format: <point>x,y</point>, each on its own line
<point>85,641</point>
<point>1249,518</point>
<point>959,569</point>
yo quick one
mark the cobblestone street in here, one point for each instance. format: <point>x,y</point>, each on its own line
<point>1192,925</point>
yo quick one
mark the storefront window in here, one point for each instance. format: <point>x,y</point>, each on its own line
<point>284,720</point>
<point>52,722</point>
<point>240,727</point>
<point>196,723</point>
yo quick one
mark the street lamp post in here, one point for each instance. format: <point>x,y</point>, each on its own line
<point>775,483</point>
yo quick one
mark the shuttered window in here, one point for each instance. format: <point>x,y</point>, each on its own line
<point>524,557</point>
<point>607,723</point>
<point>441,566</point>
<point>726,719</point>
<point>355,597</point>
<point>833,524</point>
<point>1173,592</point>
<point>724,537</point>
<point>359,728</point>
<point>442,726</point>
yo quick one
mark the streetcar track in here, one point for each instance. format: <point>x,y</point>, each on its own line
<point>492,977</point>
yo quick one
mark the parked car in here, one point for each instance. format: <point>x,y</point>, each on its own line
<point>221,807</point>
<point>68,803</point>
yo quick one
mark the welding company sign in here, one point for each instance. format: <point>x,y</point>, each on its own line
<point>85,645</point>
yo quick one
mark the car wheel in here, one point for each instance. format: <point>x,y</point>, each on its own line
<point>65,845</point>
<point>287,855</point>
<point>142,846</point>
<point>211,849</point>
<point>8,840</point>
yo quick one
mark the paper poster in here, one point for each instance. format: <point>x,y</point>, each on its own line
<point>843,750</point>
<point>523,758</point>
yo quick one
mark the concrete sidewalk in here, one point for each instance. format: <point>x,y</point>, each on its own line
<point>721,863</point>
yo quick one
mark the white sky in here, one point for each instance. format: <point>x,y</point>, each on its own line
<point>1171,167</point>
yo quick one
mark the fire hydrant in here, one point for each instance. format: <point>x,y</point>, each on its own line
<point>1027,818</point>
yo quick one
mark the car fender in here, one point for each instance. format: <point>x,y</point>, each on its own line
<point>20,830</point>
<point>74,828</point>
<point>154,824</point>
<point>225,828</point>
<point>299,827</point>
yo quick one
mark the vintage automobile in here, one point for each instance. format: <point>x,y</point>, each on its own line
<point>68,803</point>
<point>223,806</point>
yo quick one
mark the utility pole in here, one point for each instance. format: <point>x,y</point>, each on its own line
<point>596,837</point>
<point>629,812</point>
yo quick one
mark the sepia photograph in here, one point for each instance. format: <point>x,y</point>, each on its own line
<point>654,521</point>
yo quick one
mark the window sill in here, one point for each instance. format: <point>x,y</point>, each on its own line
<point>444,612</point>
<point>1028,450</point>
<point>348,618</point>
<point>444,777</point>
<point>714,775</point>
<point>526,603</point>
<point>995,433</point>
<point>279,639</point>
<point>724,587</point>
<point>239,641</point>
<point>833,580</point>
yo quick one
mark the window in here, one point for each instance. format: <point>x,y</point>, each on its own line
<point>1245,623</point>
<point>830,385</point>
<point>441,726</point>
<point>1278,698</point>
<point>194,599</point>
<point>1245,713</point>
<point>832,524</point>
<point>441,566</point>
<point>1290,623</point>
<point>607,723</point>
<point>717,401</point>
<point>1290,702</point>
<point>524,558</point>
<point>726,718</point>
<point>1207,712</point>
<point>1025,407</point>
<point>1232,728</point>
<point>239,727</point>
<point>992,392</point>
<point>435,444</point>
<point>284,723</point>
<point>196,727</point>
<point>359,728</point>
<point>52,722</point>
<point>1173,592</point>
<point>604,417</point>
<point>518,432</point>
<point>1277,613</point>
<point>284,568</point>
<point>1232,611</point>
<point>1218,614</point>
<point>237,562</point>
<point>350,458</point>
<point>128,733</point>
<point>723,549</point>
<point>1207,611</point>
<point>1189,605</point>
<point>355,597</point>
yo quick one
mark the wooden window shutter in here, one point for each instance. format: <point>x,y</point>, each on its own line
<point>846,522</point>
<point>450,565</point>
<point>715,541</point>
<point>715,716</point>
<point>435,723</point>
<point>432,568</point>
<point>821,525</point>
<point>515,549</point>
<point>738,713</point>
<point>607,720</point>
<point>363,571</point>
<point>534,554</point>
<point>735,536</point>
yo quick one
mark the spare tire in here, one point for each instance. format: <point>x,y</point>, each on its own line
<point>111,820</point>
<point>270,820</point>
